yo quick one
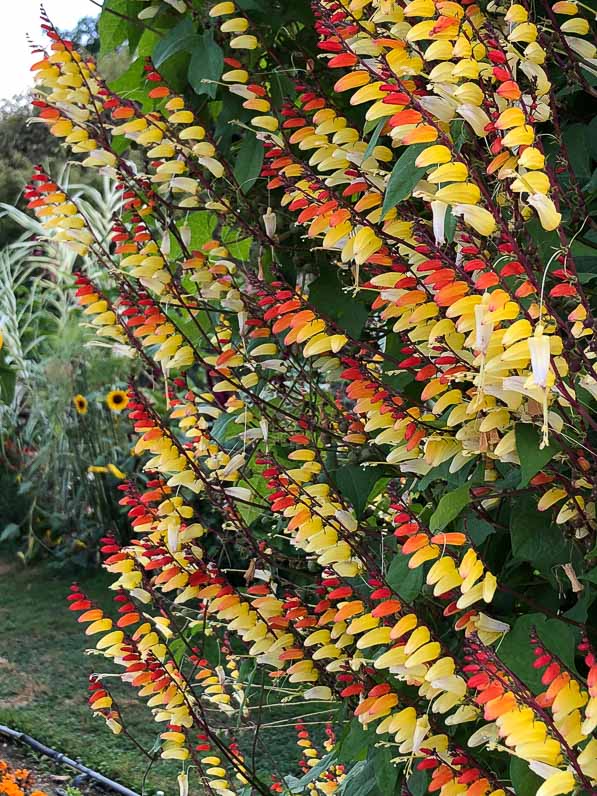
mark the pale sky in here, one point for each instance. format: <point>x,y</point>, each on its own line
<point>18,17</point>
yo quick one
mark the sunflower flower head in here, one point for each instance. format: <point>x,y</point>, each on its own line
<point>80,404</point>
<point>116,400</point>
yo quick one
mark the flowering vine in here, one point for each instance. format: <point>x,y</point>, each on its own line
<point>356,353</point>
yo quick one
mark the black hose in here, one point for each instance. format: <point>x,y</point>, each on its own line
<point>67,761</point>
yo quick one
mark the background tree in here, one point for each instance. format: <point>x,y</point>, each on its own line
<point>23,143</point>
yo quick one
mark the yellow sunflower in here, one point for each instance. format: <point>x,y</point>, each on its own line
<point>80,404</point>
<point>117,400</point>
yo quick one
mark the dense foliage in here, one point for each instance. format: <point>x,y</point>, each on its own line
<point>61,439</point>
<point>355,261</point>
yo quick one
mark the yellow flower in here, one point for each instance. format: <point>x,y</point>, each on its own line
<point>80,404</point>
<point>463,193</point>
<point>517,13</point>
<point>532,158</point>
<point>449,172</point>
<point>565,7</point>
<point>519,136</point>
<point>222,9</point>
<point>546,210</point>
<point>117,400</point>
<point>477,217</point>
<point>433,155</point>
<point>511,117</point>
<point>244,42</point>
<point>578,25</point>
<point>526,32</point>
<point>237,25</point>
<point>561,782</point>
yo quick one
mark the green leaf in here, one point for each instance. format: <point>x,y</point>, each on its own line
<point>297,785</point>
<point>240,248</point>
<point>249,161</point>
<point>180,38</point>
<point>174,71</point>
<point>112,29</point>
<point>418,782</point>
<point>537,541</point>
<point>206,643</point>
<point>449,225</point>
<point>250,5</point>
<point>581,610</point>
<point>592,137</point>
<point>525,781</point>
<point>478,530</point>
<point>146,43</point>
<point>281,86</point>
<point>386,772</point>
<point>327,296</point>
<point>546,242</point>
<point>575,139</point>
<point>591,575</point>
<point>192,326</point>
<point>225,428</point>
<point>129,85</point>
<point>356,483</point>
<point>406,582</point>
<point>202,224</point>
<point>354,744</point>
<point>119,144</point>
<point>532,458</point>
<point>135,29</point>
<point>375,137</point>
<point>585,254</point>
<point>8,380</point>
<point>359,781</point>
<point>258,486</point>
<point>449,507</point>
<point>516,650</point>
<point>459,132</point>
<point>405,175</point>
<point>10,531</point>
<point>207,64</point>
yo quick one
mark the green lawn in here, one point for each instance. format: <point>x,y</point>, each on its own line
<point>43,677</point>
<point>43,686</point>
